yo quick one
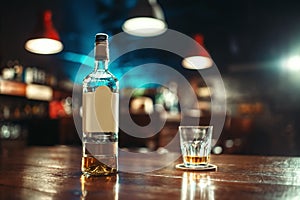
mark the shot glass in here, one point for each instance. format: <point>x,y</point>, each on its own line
<point>195,144</point>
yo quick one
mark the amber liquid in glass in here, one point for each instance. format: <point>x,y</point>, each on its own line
<point>196,160</point>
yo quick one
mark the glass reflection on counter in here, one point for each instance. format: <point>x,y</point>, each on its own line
<point>93,187</point>
<point>196,186</point>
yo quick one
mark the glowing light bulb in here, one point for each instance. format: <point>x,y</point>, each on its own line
<point>293,63</point>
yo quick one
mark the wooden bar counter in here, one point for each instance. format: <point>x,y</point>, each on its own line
<point>54,173</point>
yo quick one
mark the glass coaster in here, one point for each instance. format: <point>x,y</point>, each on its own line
<point>206,168</point>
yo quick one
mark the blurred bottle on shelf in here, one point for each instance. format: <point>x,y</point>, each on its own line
<point>12,71</point>
<point>167,98</point>
<point>15,71</point>
<point>34,75</point>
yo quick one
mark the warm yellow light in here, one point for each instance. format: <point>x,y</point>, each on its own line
<point>144,26</point>
<point>44,46</point>
<point>203,92</point>
<point>197,62</point>
<point>293,63</point>
<point>39,92</point>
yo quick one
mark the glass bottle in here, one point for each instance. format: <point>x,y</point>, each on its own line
<point>100,115</point>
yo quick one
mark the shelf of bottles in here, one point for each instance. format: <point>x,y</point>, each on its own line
<point>25,94</point>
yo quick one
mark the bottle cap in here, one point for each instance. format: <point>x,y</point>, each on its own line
<point>101,46</point>
<point>101,37</point>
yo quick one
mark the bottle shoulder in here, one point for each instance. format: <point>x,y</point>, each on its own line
<point>97,79</point>
<point>100,76</point>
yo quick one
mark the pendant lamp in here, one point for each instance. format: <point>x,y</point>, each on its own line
<point>146,19</point>
<point>200,59</point>
<point>45,39</point>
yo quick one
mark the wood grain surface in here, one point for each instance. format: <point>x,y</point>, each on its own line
<point>54,173</point>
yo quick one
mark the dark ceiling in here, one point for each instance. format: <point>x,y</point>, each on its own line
<point>238,31</point>
<point>234,31</point>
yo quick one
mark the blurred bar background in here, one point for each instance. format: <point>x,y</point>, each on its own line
<point>255,44</point>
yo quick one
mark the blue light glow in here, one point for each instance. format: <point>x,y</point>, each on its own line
<point>78,58</point>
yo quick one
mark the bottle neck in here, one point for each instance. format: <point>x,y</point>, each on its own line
<point>101,56</point>
<point>101,65</point>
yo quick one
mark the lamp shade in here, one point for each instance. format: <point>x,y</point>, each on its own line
<point>45,39</point>
<point>199,59</point>
<point>146,19</point>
